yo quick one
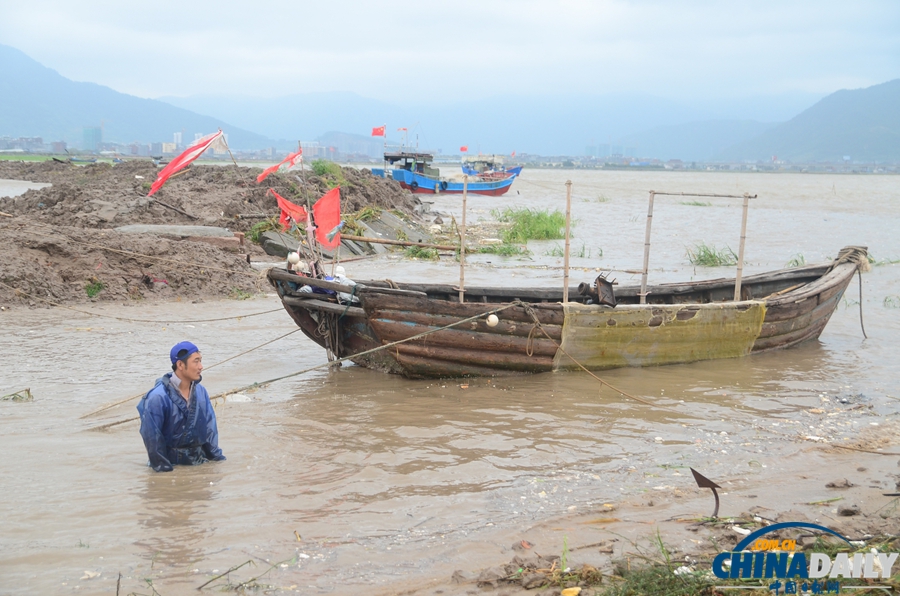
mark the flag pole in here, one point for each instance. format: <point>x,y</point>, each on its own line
<point>566,254</point>
<point>740,263</point>
<point>462,243</point>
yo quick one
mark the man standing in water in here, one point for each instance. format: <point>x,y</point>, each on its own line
<point>178,422</point>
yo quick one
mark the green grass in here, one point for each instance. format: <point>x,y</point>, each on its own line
<point>798,260</point>
<point>584,252</point>
<point>93,288</point>
<point>418,252</point>
<point>504,250</point>
<point>697,203</point>
<point>368,213</point>
<point>330,171</point>
<point>531,224</point>
<point>264,226</point>
<point>705,255</point>
<point>239,294</point>
<point>892,301</point>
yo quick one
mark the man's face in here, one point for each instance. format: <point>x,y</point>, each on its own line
<point>190,368</point>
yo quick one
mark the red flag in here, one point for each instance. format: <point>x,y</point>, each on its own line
<point>289,211</point>
<point>327,213</point>
<point>513,154</point>
<point>378,131</point>
<point>292,160</point>
<point>464,148</point>
<point>183,160</point>
<point>403,129</point>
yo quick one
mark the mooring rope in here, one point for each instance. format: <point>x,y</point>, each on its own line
<point>525,306</point>
<point>130,320</point>
<point>128,399</point>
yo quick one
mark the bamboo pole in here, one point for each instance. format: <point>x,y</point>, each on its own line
<point>740,263</point>
<point>397,242</point>
<point>566,253</point>
<point>647,249</point>
<point>462,243</point>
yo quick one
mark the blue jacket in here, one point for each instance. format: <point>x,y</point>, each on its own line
<point>177,432</point>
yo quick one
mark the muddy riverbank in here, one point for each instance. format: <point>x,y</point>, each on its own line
<point>61,244</point>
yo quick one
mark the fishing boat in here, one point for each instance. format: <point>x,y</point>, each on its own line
<point>414,172</point>
<point>535,331</point>
<point>488,167</point>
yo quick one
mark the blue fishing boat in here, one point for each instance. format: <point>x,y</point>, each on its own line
<point>414,172</point>
<point>489,167</point>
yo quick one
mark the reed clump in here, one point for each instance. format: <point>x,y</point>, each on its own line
<point>530,224</point>
<point>798,260</point>
<point>504,250</point>
<point>419,252</point>
<point>707,255</point>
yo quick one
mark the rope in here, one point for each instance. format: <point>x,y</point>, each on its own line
<point>861,325</point>
<point>128,399</point>
<point>528,309</point>
<point>312,368</point>
<point>168,321</point>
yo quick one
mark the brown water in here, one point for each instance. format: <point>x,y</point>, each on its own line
<point>385,478</point>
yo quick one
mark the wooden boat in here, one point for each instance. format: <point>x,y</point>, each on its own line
<point>682,322</point>
<point>414,172</point>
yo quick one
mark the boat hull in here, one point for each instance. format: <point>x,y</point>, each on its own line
<point>421,184</point>
<point>536,333</point>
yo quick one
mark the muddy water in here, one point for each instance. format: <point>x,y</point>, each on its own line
<point>385,479</point>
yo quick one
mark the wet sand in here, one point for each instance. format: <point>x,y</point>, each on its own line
<point>393,484</point>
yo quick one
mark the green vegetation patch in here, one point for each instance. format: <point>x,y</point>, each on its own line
<point>93,287</point>
<point>697,203</point>
<point>559,251</point>
<point>798,260</point>
<point>265,225</point>
<point>531,224</point>
<point>892,301</point>
<point>330,172</point>
<point>707,255</point>
<point>419,252</point>
<point>504,250</point>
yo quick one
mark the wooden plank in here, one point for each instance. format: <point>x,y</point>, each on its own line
<point>503,328</point>
<point>476,344</point>
<point>323,306</point>
<point>450,362</point>
<point>551,314</point>
<point>793,338</point>
<point>771,329</point>
<point>791,310</point>
<point>839,276</point>
<point>283,275</point>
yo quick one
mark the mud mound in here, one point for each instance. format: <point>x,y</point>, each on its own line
<point>75,265</point>
<point>104,195</point>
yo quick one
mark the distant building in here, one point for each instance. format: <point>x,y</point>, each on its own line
<point>177,139</point>
<point>93,137</point>
<point>168,148</point>
<point>58,146</point>
<point>156,148</point>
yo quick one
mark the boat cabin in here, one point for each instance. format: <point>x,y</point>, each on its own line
<point>419,163</point>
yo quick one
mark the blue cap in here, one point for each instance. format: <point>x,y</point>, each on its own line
<point>185,346</point>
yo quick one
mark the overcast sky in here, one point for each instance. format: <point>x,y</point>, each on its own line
<point>465,49</point>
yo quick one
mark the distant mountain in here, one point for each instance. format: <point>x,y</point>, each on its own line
<point>694,141</point>
<point>36,101</point>
<point>863,124</point>
<point>560,124</point>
